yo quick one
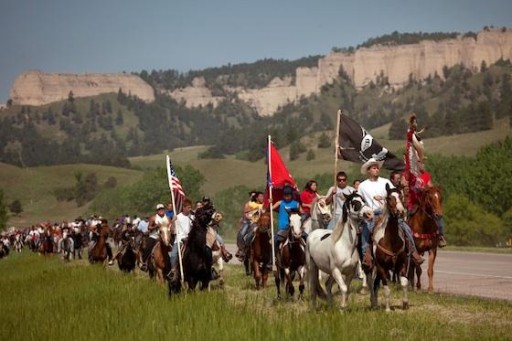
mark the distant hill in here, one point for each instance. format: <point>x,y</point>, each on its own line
<point>461,94</point>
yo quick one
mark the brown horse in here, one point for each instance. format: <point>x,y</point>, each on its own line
<point>261,252</point>
<point>98,253</point>
<point>159,262</point>
<point>423,223</point>
<point>389,250</point>
<point>46,244</point>
<point>292,258</point>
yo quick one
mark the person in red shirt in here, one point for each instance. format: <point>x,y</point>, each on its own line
<point>307,196</point>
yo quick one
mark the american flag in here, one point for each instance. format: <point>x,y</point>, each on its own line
<point>175,186</point>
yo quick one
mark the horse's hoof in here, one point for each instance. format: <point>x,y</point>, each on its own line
<point>363,291</point>
<point>405,305</point>
<point>388,310</point>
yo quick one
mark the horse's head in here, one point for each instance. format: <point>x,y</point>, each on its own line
<point>432,201</point>
<point>393,202</point>
<point>204,215</point>
<point>295,224</point>
<point>264,222</point>
<point>322,211</point>
<point>355,208</point>
<point>165,234</point>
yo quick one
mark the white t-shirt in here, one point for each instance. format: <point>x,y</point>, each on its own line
<point>341,194</point>
<point>183,225</point>
<point>370,189</point>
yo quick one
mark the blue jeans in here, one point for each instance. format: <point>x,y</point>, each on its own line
<point>219,239</point>
<point>173,255</point>
<point>334,221</point>
<point>368,226</point>
<point>246,224</point>
<point>440,224</point>
<point>408,233</point>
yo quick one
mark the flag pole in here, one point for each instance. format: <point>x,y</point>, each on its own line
<point>168,163</point>
<point>336,150</point>
<point>271,204</point>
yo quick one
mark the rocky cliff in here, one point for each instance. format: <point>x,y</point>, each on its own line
<point>397,63</point>
<point>38,88</point>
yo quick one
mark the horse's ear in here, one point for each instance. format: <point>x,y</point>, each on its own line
<point>387,187</point>
<point>345,212</point>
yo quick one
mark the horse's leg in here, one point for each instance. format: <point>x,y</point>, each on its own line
<point>328,288</point>
<point>371,279</point>
<point>431,260</point>
<point>256,273</point>
<point>404,282</point>
<point>362,275</point>
<point>220,265</point>
<point>418,276</point>
<point>340,280</point>
<point>302,275</point>
<point>384,275</point>
<point>277,279</point>
<point>290,289</point>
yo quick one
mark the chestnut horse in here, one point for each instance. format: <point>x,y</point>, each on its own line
<point>159,262</point>
<point>292,258</point>
<point>261,251</point>
<point>423,223</point>
<point>389,250</point>
<point>46,244</point>
<point>98,253</point>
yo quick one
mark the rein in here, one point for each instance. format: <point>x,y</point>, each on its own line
<point>394,256</point>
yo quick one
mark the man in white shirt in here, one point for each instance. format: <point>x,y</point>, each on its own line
<point>373,190</point>
<point>183,225</point>
<point>338,196</point>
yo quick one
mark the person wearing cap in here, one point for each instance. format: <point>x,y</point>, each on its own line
<point>372,190</point>
<point>286,205</point>
<point>155,222</point>
<point>338,194</point>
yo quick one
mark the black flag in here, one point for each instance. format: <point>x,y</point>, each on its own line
<point>357,145</point>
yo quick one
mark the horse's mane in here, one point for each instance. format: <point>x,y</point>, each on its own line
<point>200,223</point>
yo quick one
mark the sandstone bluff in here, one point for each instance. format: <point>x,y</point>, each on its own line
<point>38,88</point>
<point>397,62</point>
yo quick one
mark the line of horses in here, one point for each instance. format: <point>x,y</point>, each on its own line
<point>333,254</point>
<point>336,254</point>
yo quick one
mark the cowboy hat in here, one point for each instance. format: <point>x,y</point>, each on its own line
<point>369,163</point>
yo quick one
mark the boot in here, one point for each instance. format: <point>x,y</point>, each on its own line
<point>144,267</point>
<point>416,258</point>
<point>367,259</point>
<point>226,256</point>
<point>442,241</point>
<point>173,275</point>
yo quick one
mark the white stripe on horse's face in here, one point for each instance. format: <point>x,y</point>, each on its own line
<point>399,205</point>
<point>296,224</point>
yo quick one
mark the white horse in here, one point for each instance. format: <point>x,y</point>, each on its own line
<point>320,216</point>
<point>335,252</point>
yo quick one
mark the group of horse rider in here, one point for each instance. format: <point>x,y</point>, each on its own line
<point>180,226</point>
<point>411,182</point>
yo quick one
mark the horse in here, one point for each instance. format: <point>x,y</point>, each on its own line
<point>292,258</point>
<point>67,246</point>
<point>389,250</point>
<point>126,261</point>
<point>78,242</point>
<point>18,243</point>
<point>423,223</point>
<point>46,245</point>
<point>197,257</point>
<point>261,251</point>
<point>159,263</point>
<point>98,252</point>
<point>335,252</point>
<point>320,216</point>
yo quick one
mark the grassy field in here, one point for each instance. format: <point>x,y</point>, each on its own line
<point>43,298</point>
<point>34,188</point>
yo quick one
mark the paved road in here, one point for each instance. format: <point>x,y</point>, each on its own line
<point>466,273</point>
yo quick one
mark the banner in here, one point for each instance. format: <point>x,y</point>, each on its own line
<point>357,145</point>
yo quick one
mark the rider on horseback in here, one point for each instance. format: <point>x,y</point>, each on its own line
<point>155,222</point>
<point>287,205</point>
<point>94,235</point>
<point>373,190</point>
<point>183,225</point>
<point>417,178</point>
<point>252,212</point>
<point>338,194</point>
<point>214,225</point>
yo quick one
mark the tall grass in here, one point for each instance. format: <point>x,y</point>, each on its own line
<point>43,298</point>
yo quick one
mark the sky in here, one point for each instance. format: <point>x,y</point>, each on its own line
<point>76,36</point>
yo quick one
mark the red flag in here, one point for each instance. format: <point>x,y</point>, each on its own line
<point>278,176</point>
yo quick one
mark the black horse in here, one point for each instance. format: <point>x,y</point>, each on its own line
<point>128,257</point>
<point>197,257</point>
